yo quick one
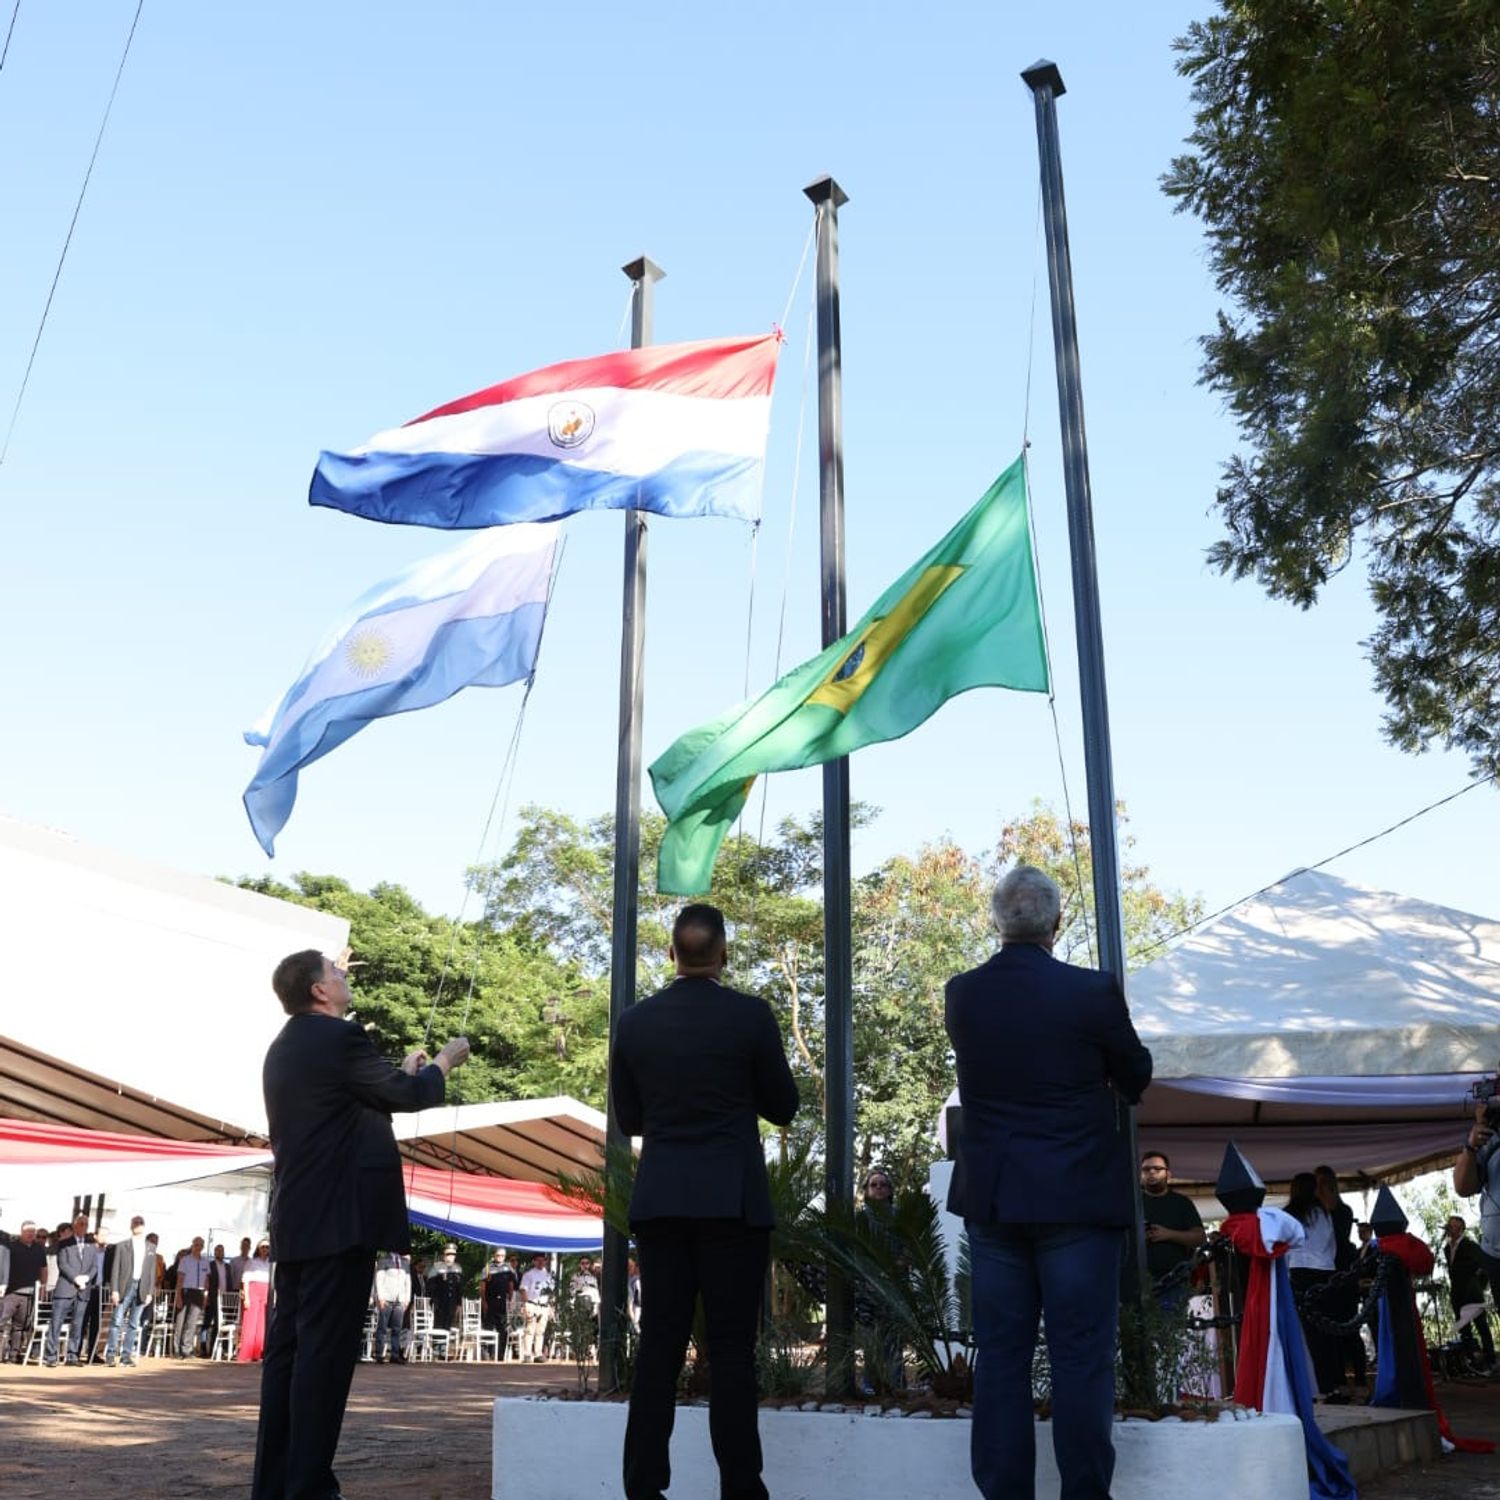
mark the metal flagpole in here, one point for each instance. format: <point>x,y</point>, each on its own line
<point>1045,83</point>
<point>643,273</point>
<point>838,990</point>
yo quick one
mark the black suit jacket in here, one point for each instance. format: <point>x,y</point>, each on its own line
<point>1465,1272</point>
<point>692,1070</point>
<point>1046,1053</point>
<point>329,1099</point>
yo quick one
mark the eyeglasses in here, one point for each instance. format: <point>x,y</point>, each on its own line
<point>1154,1170</point>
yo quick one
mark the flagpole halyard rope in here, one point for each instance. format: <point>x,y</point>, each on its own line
<point>503,783</point>
<point>791,520</point>
<point>1062,765</point>
<point>786,576</point>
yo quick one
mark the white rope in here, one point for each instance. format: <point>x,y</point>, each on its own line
<point>501,800</point>
<point>791,520</point>
<point>791,296</point>
<point>1036,563</point>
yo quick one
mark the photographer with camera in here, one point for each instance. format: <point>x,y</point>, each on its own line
<point>1477,1170</point>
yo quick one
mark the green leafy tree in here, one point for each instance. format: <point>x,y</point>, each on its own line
<point>1151,915</point>
<point>917,922</point>
<point>537,1023</point>
<point>554,891</point>
<point>1344,161</point>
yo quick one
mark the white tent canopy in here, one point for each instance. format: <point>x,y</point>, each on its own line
<point>1316,1023</point>
<point>138,998</point>
<point>530,1140</point>
<point>1319,1022</point>
<point>1318,977</point>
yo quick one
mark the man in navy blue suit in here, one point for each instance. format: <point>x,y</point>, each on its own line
<point>1047,1060</point>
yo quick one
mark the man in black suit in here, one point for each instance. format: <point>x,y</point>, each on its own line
<point>692,1069</point>
<point>338,1196</point>
<point>1047,1059</point>
<point>77,1275</point>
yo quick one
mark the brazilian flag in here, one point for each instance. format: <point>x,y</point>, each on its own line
<point>967,615</point>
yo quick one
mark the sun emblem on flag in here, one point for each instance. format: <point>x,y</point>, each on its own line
<point>570,423</point>
<point>367,651</point>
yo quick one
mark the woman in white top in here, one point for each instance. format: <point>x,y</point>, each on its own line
<point>255,1283</point>
<point>1311,1265</point>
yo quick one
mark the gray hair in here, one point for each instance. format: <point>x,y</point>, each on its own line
<point>1026,905</point>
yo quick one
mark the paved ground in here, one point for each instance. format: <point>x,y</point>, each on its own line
<point>415,1432</point>
<point>1474,1412</point>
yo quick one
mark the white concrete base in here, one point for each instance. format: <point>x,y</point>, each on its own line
<point>570,1450</point>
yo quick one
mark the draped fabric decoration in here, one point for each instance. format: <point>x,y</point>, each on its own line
<point>1274,1372</point>
<point>1403,1349</point>
<point>37,1160</point>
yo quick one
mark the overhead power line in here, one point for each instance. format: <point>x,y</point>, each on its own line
<point>1328,860</point>
<point>72,223</point>
<point>10,31</point>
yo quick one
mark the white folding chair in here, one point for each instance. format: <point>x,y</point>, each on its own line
<point>227,1334</point>
<point>42,1320</point>
<point>160,1342</point>
<point>473,1337</point>
<point>425,1338</point>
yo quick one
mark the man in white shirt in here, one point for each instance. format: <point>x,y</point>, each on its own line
<point>192,1297</point>
<point>392,1293</point>
<point>536,1289</point>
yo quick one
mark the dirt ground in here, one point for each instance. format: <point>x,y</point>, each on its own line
<point>413,1432</point>
<point>187,1428</point>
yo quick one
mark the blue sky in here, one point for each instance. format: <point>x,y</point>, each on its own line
<point>312,222</point>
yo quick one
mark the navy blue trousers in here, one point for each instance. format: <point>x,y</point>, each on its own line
<point>1068,1274</point>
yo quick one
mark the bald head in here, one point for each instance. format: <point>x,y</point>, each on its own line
<point>699,946</point>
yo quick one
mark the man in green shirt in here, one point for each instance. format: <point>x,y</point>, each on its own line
<point>1174,1228</point>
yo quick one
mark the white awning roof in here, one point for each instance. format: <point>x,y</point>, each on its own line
<point>137,997</point>
<point>532,1140</point>
<point>1319,977</point>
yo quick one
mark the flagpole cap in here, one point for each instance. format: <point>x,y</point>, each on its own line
<point>825,189</point>
<point>1044,74</point>
<point>1239,1187</point>
<point>643,268</point>
<point>1387,1217</point>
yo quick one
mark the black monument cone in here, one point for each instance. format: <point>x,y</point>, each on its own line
<point>1239,1187</point>
<point>1386,1217</point>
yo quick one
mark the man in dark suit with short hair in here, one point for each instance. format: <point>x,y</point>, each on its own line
<point>693,1070</point>
<point>1047,1059</point>
<point>337,1197</point>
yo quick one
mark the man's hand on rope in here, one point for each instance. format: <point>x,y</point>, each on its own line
<point>454,1055</point>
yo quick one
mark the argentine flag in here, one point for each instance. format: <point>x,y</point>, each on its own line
<point>471,616</point>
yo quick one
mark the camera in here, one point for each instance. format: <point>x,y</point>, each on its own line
<point>1487,1092</point>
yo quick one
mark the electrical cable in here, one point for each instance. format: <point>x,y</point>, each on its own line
<point>1328,860</point>
<point>10,31</point>
<point>72,225</point>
